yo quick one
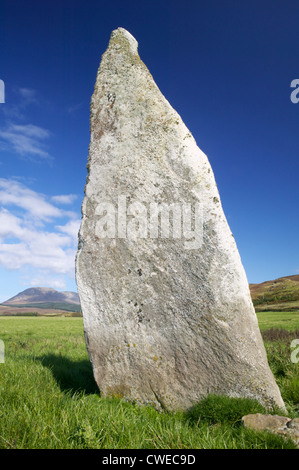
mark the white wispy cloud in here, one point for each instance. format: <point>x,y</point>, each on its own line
<point>71,228</point>
<point>24,240</point>
<point>22,99</point>
<point>28,96</point>
<point>26,140</point>
<point>14,193</point>
<point>74,108</point>
<point>30,130</point>
<point>64,198</point>
<point>44,279</point>
<point>9,225</point>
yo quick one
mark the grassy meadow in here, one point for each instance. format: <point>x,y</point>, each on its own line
<point>48,398</point>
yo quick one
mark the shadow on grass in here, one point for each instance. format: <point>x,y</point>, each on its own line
<point>71,376</point>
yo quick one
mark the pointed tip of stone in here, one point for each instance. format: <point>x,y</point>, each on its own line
<point>123,37</point>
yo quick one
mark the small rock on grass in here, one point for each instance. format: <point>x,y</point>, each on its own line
<point>281,425</point>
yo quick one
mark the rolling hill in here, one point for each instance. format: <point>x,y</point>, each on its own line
<point>281,294</point>
<point>41,301</point>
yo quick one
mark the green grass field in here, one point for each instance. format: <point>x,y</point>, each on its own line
<point>287,320</point>
<point>48,398</point>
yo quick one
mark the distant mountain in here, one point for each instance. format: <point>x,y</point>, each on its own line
<point>42,300</point>
<point>279,294</point>
<point>43,294</point>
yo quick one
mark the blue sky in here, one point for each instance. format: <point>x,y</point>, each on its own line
<point>226,66</point>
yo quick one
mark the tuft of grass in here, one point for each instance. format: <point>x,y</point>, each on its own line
<point>263,440</point>
<point>286,372</point>
<point>222,409</point>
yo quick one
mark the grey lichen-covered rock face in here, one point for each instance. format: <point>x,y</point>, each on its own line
<point>167,311</point>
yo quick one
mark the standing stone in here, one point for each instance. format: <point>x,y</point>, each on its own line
<point>167,311</point>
